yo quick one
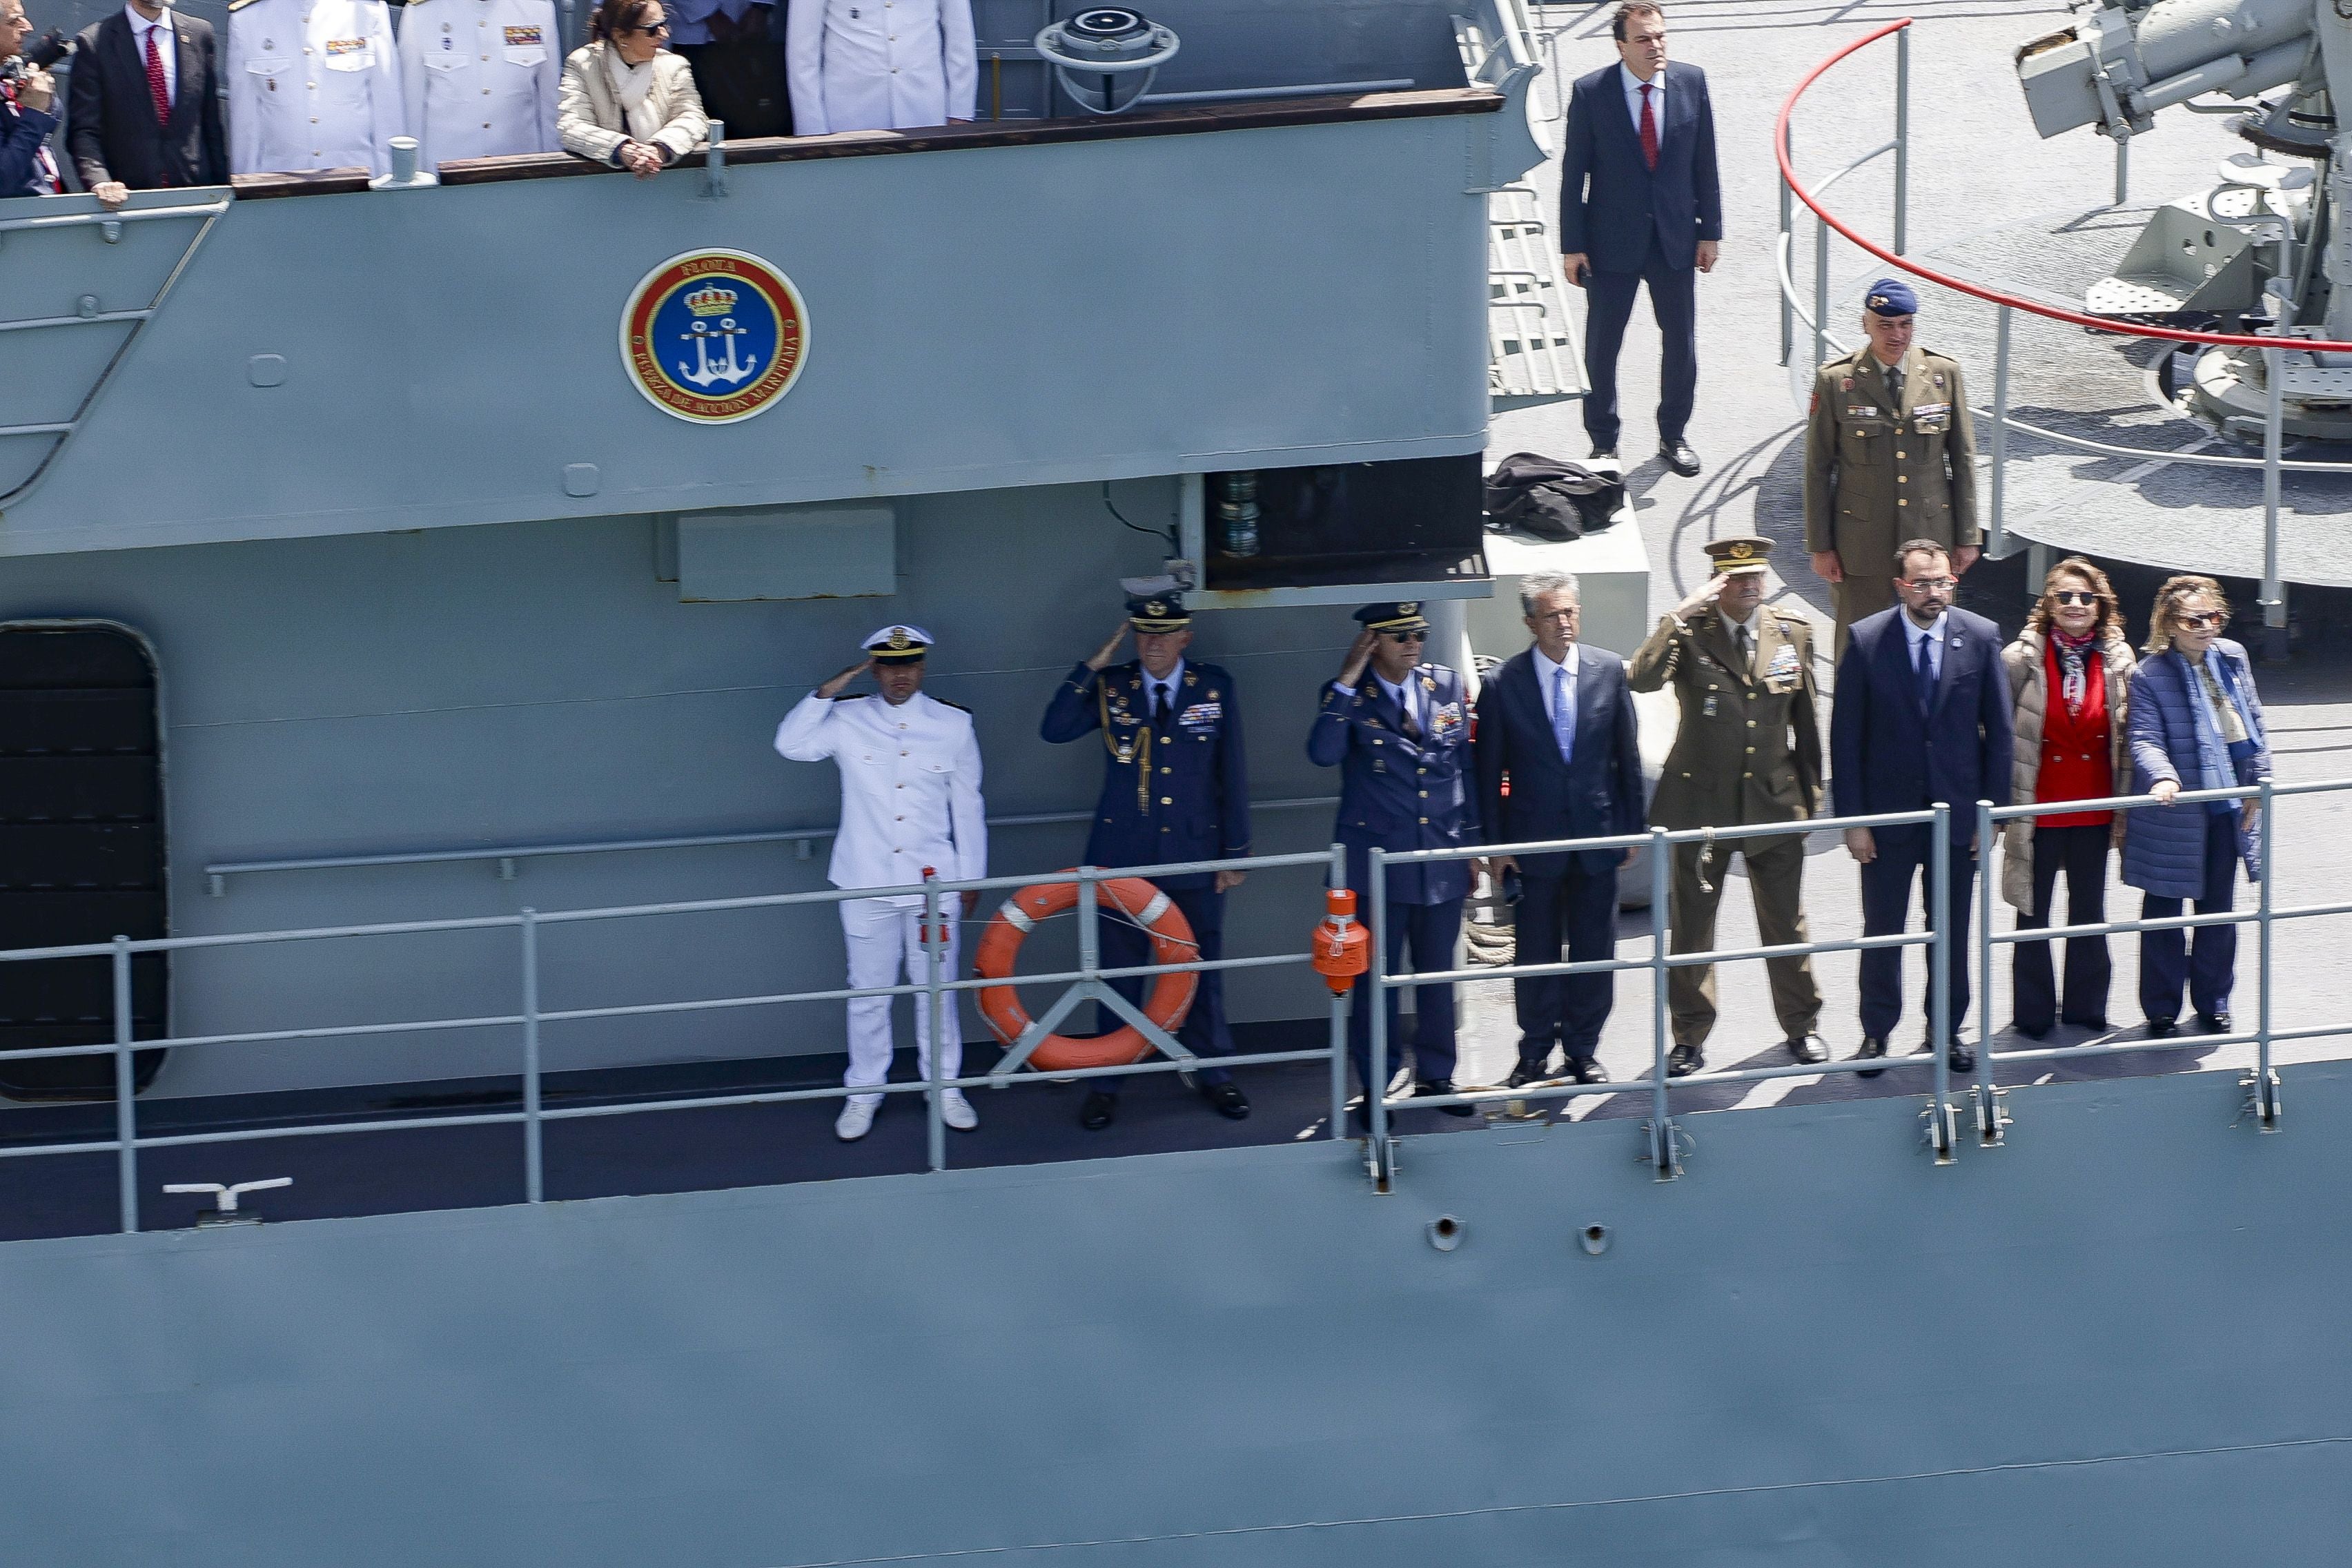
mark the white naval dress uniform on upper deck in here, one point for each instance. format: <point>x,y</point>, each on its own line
<point>879,65</point>
<point>312,84</point>
<point>909,798</point>
<point>478,77</point>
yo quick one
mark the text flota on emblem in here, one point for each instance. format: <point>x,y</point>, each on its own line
<point>714,336</point>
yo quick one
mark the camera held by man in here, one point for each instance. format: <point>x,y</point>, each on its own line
<point>27,104</point>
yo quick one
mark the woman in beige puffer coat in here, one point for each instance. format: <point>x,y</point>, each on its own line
<point>2069,684</point>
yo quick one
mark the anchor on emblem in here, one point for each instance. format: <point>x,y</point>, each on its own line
<point>714,327</point>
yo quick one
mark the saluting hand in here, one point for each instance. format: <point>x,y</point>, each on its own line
<point>1109,650</point>
<point>832,688</point>
<point>1708,592</point>
<point>1359,654</point>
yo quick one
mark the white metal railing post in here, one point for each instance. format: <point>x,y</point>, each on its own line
<point>2265,1092</point>
<point>1902,139</point>
<point>1662,1155</point>
<point>1787,228</point>
<point>2123,168</point>
<point>1820,290</point>
<point>1376,996</point>
<point>1998,538</point>
<point>1340,998</point>
<point>126,1114</point>
<point>534,1159</point>
<point>2273,591</point>
<point>1940,978</point>
<point>935,945</point>
<point>1988,1109</point>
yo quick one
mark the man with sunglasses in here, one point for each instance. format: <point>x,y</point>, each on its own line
<point>1399,730</point>
<point>1748,749</point>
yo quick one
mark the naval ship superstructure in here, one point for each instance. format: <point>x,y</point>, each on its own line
<point>356,575</point>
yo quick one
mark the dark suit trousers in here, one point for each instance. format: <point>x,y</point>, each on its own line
<point>1903,858</point>
<point>2206,960</point>
<point>1204,1031</point>
<point>1431,930</point>
<point>2082,853</point>
<point>1608,304</point>
<point>1577,907</point>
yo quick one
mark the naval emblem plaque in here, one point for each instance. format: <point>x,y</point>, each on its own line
<point>714,336</point>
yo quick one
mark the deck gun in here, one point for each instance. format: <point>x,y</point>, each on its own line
<point>2260,247</point>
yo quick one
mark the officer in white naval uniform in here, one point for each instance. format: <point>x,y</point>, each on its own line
<point>312,84</point>
<point>879,65</point>
<point>478,77</point>
<point>909,800</point>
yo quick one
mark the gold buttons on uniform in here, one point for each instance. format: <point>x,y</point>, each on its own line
<point>1424,795</point>
<point>1751,723</point>
<point>1165,801</point>
<point>1901,503</point>
<point>1902,479</point>
<point>1752,750</point>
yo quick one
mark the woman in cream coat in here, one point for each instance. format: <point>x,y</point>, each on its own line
<point>626,100</point>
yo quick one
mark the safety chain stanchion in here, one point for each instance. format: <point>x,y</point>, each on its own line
<point>1339,1000</point>
<point>1788,312</point>
<point>934,946</point>
<point>1902,141</point>
<point>1990,1119</point>
<point>126,1114</point>
<point>2274,590</point>
<point>1939,981</point>
<point>1380,1159</point>
<point>534,1158</point>
<point>1996,540</point>
<point>2266,1085</point>
<point>1663,1157</point>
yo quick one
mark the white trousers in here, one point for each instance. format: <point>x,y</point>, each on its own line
<point>885,936</point>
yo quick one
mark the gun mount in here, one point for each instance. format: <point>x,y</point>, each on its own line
<point>2261,246</point>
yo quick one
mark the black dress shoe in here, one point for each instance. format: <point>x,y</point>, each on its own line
<point>1807,1047</point>
<point>1873,1047</point>
<point>1602,454</point>
<point>1962,1058</point>
<point>1525,1074</point>
<point>2214,1023</point>
<point>1428,1087</point>
<point>2031,1031</point>
<point>2163,1028</point>
<point>1678,456</point>
<point>1587,1069</point>
<point>1685,1060</point>
<point>1097,1111</point>
<point>1227,1098</point>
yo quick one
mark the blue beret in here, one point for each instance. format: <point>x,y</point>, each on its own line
<point>1891,296</point>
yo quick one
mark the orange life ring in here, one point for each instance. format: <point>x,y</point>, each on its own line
<point>1139,900</point>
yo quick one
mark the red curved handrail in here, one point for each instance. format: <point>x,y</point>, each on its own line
<point>1976,291</point>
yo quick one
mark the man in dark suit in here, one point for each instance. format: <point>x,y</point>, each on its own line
<point>1175,789</point>
<point>1639,203</point>
<point>1399,731</point>
<point>1921,715</point>
<point>143,107</point>
<point>1557,721</point>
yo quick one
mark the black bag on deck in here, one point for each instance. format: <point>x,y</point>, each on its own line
<point>1550,499</point>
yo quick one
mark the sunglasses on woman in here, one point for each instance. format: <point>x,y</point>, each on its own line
<point>652,29</point>
<point>2198,622</point>
<point>2073,596</point>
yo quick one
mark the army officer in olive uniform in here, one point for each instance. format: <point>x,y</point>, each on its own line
<point>1399,731</point>
<point>1889,456</point>
<point>1748,749</point>
<point>1175,788</point>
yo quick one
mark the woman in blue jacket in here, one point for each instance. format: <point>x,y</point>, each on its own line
<point>2195,723</point>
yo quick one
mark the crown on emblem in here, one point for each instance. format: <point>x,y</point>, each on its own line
<point>1410,607</point>
<point>710,299</point>
<point>1741,551</point>
<point>898,635</point>
<point>1156,607</point>
<point>1876,300</point>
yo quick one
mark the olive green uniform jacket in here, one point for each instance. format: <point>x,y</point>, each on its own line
<point>1749,747</point>
<point>1877,474</point>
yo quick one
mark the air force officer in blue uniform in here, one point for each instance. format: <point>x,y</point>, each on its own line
<point>1175,788</point>
<point>1558,721</point>
<point>1399,730</point>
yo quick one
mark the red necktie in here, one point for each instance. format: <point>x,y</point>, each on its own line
<point>1649,122</point>
<point>163,95</point>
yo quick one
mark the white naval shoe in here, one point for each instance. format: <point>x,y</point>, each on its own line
<point>857,1118</point>
<point>956,1111</point>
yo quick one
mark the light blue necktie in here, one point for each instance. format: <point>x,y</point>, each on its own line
<point>1563,715</point>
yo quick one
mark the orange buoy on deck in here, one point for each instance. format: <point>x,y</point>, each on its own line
<point>1139,901</point>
